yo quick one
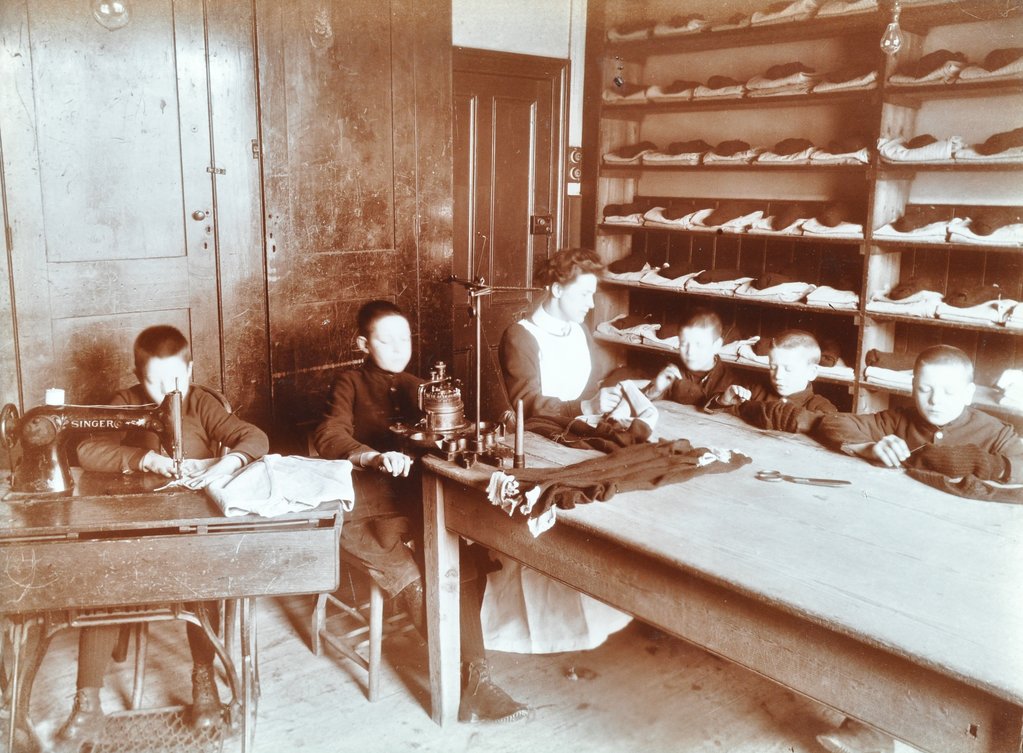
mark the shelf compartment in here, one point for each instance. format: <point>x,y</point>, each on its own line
<point>613,228</point>
<point>866,97</point>
<point>610,168</point>
<point>797,31</point>
<point>944,324</point>
<point>913,95</point>
<point>803,307</point>
<point>887,245</point>
<point>899,168</point>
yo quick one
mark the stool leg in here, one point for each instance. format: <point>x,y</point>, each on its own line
<point>319,622</point>
<point>376,633</point>
<point>141,631</point>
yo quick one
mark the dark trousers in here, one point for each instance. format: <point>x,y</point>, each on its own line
<point>95,644</point>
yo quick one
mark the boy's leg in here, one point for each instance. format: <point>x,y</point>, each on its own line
<point>206,710</point>
<point>95,644</point>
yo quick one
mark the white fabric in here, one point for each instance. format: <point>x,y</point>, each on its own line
<point>660,158</point>
<point>614,159</point>
<point>934,232</point>
<point>943,74</point>
<point>826,296</point>
<point>656,93</point>
<point>799,10</point>
<point>1013,155</point>
<point>725,287</point>
<point>798,158</point>
<point>923,303</point>
<point>280,484</point>
<point>564,355</point>
<point>742,23</point>
<point>635,334</point>
<point>889,378</point>
<point>977,73</point>
<point>613,35</point>
<point>628,276</point>
<point>694,24</point>
<point>866,81</point>
<point>842,230</point>
<point>802,79</point>
<point>821,157</point>
<point>656,216</point>
<point>786,292</point>
<point>1008,235</point>
<point>1011,385</point>
<point>613,98</point>
<point>743,157</point>
<point>940,152</point>
<point>695,220</point>
<point>746,354</point>
<point>763,227</point>
<point>625,219</point>
<point>991,312</point>
<point>838,371</point>
<point>725,92</point>
<point>734,225</point>
<point>661,281</point>
<point>782,91</point>
<point>840,8</point>
<point>730,351</point>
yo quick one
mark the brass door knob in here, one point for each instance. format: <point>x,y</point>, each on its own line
<point>198,215</point>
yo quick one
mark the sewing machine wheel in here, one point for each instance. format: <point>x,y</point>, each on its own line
<point>9,424</point>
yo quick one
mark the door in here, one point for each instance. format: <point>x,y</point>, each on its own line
<point>107,177</point>
<point>509,135</point>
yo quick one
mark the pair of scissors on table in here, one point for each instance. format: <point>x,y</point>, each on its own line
<point>779,476</point>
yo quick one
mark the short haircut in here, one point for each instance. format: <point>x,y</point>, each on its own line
<point>161,341</point>
<point>704,319</point>
<point>567,264</point>
<point>372,312</point>
<point>945,355</point>
<point>792,339</point>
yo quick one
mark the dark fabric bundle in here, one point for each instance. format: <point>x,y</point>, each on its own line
<point>930,62</point>
<point>831,352</point>
<point>680,85</point>
<point>625,469</point>
<point>986,221</point>
<point>688,147</point>
<point>1001,142</point>
<point>838,212</point>
<point>720,82</point>
<point>718,275</point>
<point>918,215</point>
<point>728,148</point>
<point>777,415</point>
<point>729,210</point>
<point>619,210</point>
<point>1002,57</point>
<point>924,139</point>
<point>910,286</point>
<point>792,146</point>
<point>970,487</point>
<point>893,361</point>
<point>846,144</point>
<point>676,212</point>
<point>631,263</point>
<point>770,279</point>
<point>630,151</point>
<point>788,214</point>
<point>957,461</point>
<point>974,295</point>
<point>786,69</point>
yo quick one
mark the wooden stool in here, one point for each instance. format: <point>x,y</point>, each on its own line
<point>370,629</point>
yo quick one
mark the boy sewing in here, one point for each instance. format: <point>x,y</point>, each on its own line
<point>702,374</point>
<point>163,363</point>
<point>363,404</point>
<point>787,402</point>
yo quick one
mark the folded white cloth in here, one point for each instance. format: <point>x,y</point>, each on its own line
<point>741,23</point>
<point>656,279</point>
<point>628,276</point>
<point>991,312</point>
<point>923,303</point>
<point>746,354</point>
<point>838,371</point>
<point>739,158</point>
<point>1011,385</point>
<point>841,8</point>
<point>941,151</point>
<point>280,484</point>
<point>613,35</point>
<point>842,230</point>
<point>725,287</point>
<point>1013,155</point>
<point>612,97</point>
<point>900,380</point>
<point>725,92</point>
<point>803,79</point>
<point>633,334</point>
<point>695,220</point>
<point>636,218</point>
<point>1009,235</point>
<point>691,26</point>
<point>614,159</point>
<point>860,157</point>
<point>763,227</point>
<point>656,218</point>
<point>866,81</point>
<point>800,10</point>
<point>943,74</point>
<point>977,73</point>
<point>828,297</point>
<point>660,158</point>
<point>799,158</point>
<point>934,232</point>
<point>786,292</point>
<point>781,91</point>
<point>734,225</point>
<point>656,93</point>
<point>730,351</point>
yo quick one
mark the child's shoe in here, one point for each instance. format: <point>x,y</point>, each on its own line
<point>207,710</point>
<point>853,737</point>
<point>483,701</point>
<point>85,721</point>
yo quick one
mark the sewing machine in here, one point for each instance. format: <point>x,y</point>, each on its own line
<point>43,433</point>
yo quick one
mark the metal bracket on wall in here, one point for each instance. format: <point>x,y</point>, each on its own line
<point>213,170</point>
<point>9,238</point>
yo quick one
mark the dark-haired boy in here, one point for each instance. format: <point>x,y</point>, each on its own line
<point>787,401</point>
<point>163,363</point>
<point>702,374</point>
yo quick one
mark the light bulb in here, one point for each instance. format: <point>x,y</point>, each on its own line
<point>891,40</point>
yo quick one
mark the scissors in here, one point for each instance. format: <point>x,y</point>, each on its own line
<point>779,476</point>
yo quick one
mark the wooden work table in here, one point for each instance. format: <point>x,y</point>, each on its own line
<point>63,558</point>
<point>895,603</point>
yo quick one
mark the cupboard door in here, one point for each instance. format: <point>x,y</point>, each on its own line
<point>108,188</point>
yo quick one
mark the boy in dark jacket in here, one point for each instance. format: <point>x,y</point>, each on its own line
<point>702,374</point>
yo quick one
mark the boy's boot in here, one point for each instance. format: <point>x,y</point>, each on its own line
<point>207,711</point>
<point>483,701</point>
<point>412,600</point>
<point>85,721</point>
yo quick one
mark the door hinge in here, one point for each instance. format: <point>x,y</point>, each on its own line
<point>255,149</point>
<point>214,170</point>
<point>9,238</point>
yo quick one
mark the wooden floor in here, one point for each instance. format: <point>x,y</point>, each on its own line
<point>641,691</point>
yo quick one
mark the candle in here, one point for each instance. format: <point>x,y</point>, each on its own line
<point>520,439</point>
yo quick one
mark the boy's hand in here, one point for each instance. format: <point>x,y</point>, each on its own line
<point>605,401</point>
<point>198,474</point>
<point>154,462</point>
<point>192,467</point>
<point>734,395</point>
<point>890,450</point>
<point>395,463</point>
<point>663,381</point>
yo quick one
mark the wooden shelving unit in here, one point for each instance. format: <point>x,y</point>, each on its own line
<point>884,189</point>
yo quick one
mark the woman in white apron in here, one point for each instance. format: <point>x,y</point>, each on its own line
<point>547,361</point>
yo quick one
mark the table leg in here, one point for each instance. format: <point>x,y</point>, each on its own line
<point>17,637</point>
<point>442,590</point>
<point>246,631</point>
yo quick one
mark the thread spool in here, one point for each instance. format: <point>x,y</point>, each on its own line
<point>520,436</point>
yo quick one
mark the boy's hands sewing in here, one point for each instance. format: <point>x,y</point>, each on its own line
<point>154,462</point>
<point>395,463</point>
<point>890,450</point>
<point>664,379</point>
<point>734,395</point>
<point>198,474</point>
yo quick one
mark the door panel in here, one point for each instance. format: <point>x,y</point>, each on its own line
<point>509,142</point>
<point>104,167</point>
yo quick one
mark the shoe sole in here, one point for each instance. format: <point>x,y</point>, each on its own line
<point>513,717</point>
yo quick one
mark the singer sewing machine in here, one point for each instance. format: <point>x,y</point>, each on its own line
<point>43,433</point>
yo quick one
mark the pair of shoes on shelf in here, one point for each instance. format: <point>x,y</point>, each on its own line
<point>483,701</point>
<point>85,722</point>
<point>853,737</point>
